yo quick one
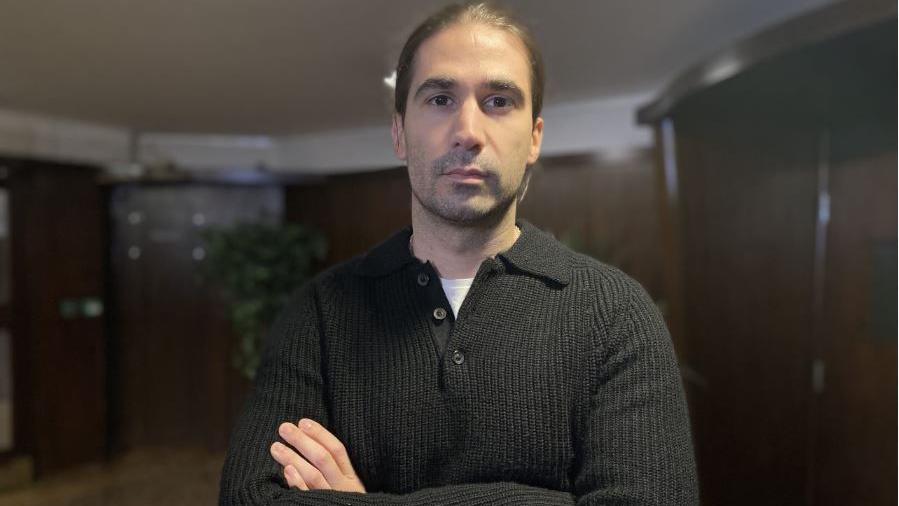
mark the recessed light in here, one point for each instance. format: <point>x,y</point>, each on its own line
<point>390,80</point>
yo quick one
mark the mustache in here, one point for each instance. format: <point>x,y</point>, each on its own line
<point>455,159</point>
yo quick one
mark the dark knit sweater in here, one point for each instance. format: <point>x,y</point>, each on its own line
<point>559,385</point>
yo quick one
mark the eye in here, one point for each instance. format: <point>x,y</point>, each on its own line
<point>440,100</point>
<point>499,102</point>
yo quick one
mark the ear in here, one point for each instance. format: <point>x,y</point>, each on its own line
<point>536,140</point>
<point>525,182</point>
<point>399,137</point>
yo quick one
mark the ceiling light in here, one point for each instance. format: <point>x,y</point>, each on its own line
<point>390,80</point>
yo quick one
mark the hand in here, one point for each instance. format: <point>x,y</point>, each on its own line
<point>324,464</point>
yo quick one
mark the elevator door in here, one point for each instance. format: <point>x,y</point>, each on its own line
<point>173,383</point>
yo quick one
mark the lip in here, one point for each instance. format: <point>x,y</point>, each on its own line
<point>466,174</point>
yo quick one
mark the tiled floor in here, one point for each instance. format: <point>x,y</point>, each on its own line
<point>166,477</point>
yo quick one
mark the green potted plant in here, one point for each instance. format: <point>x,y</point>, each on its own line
<point>258,266</point>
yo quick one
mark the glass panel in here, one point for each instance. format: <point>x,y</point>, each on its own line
<point>5,391</point>
<point>5,271</point>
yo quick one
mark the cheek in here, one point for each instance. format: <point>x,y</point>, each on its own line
<point>423,132</point>
<point>416,159</point>
<point>417,147</point>
<point>517,157</point>
<point>418,165</point>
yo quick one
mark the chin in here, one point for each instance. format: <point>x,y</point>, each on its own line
<point>471,209</point>
<point>473,214</point>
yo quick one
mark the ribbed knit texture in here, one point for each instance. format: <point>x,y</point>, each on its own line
<point>568,390</point>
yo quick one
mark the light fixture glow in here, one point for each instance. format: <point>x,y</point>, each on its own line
<point>723,70</point>
<point>390,80</point>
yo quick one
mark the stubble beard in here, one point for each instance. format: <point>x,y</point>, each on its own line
<point>457,207</point>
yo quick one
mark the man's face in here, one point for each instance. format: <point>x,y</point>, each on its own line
<point>468,134</point>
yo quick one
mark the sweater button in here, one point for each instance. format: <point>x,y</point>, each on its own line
<point>423,279</point>
<point>439,313</point>
<point>458,357</point>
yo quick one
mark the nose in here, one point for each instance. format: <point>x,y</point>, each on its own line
<point>469,128</point>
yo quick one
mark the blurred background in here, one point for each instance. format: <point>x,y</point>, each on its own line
<point>169,169</point>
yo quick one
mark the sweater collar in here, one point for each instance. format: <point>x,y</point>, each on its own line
<point>535,252</point>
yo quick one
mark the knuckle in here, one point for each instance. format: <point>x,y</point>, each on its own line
<point>319,459</point>
<point>337,449</point>
<point>318,481</point>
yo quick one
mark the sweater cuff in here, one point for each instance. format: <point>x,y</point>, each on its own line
<point>451,495</point>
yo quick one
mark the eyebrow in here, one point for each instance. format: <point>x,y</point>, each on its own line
<point>507,86</point>
<point>446,83</point>
<point>435,83</point>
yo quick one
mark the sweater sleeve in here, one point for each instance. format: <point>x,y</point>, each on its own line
<point>637,448</point>
<point>289,386</point>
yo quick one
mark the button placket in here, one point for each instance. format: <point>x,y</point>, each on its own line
<point>433,304</point>
<point>483,280</point>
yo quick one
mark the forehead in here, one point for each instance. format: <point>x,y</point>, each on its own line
<point>473,52</point>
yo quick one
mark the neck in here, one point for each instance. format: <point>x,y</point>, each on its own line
<point>456,251</point>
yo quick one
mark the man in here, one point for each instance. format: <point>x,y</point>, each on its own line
<point>471,359</point>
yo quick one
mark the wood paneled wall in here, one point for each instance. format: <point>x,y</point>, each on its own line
<point>605,208</point>
<point>355,212</point>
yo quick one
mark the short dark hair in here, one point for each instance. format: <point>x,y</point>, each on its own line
<point>482,13</point>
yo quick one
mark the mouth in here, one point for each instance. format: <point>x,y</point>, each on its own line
<point>466,174</point>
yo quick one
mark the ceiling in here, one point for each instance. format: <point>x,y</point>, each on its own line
<point>280,67</point>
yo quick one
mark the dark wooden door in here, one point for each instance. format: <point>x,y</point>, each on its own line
<point>57,237</point>
<point>855,449</point>
<point>748,238</point>
<point>171,350</point>
<point>783,219</point>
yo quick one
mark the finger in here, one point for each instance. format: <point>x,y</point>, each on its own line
<point>285,455</point>
<point>313,452</point>
<point>330,442</point>
<point>311,476</point>
<point>293,478</point>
